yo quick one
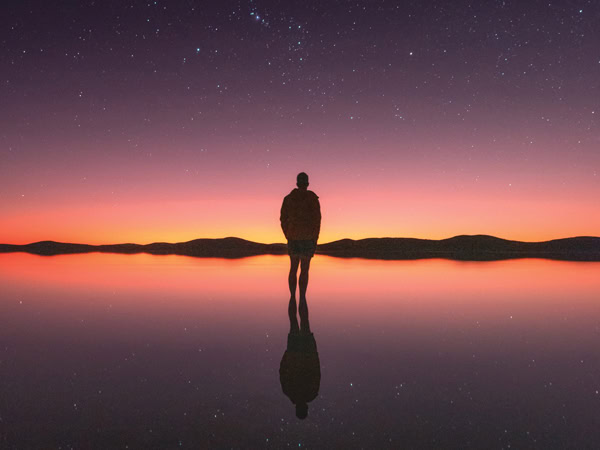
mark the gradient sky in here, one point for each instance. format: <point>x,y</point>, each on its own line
<point>169,121</point>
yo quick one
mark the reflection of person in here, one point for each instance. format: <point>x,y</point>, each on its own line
<point>300,369</point>
<point>301,223</point>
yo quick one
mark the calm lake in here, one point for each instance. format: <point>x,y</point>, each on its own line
<point>139,351</point>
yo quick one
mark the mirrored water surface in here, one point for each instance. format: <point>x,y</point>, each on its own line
<point>141,351</point>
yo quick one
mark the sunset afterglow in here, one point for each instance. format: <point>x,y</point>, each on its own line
<point>175,122</point>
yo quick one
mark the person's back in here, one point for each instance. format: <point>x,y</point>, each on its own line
<point>301,215</point>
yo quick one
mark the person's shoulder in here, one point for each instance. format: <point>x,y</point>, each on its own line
<point>312,194</point>
<point>290,195</point>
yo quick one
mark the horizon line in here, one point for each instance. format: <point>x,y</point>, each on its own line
<point>285,243</point>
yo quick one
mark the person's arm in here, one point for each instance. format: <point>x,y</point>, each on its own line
<point>317,226</point>
<point>284,217</point>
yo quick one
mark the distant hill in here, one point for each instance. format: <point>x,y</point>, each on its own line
<point>221,248</point>
<point>469,248</point>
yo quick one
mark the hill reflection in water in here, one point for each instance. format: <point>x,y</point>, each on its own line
<point>104,350</point>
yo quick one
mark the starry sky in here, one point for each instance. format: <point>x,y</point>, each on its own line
<point>144,121</point>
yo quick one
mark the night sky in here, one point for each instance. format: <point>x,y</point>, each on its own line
<point>153,121</point>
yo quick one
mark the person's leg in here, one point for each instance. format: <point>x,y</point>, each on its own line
<point>303,280</point>
<point>294,261</point>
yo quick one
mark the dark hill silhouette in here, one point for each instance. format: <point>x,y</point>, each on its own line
<point>469,248</point>
<point>222,248</point>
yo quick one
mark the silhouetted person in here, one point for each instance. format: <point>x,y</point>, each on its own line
<point>301,223</point>
<point>300,369</point>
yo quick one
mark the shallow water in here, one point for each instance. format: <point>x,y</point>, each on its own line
<point>142,351</point>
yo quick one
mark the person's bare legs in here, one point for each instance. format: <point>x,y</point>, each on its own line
<point>294,262</point>
<point>303,281</point>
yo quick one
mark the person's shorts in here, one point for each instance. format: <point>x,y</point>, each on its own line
<point>302,248</point>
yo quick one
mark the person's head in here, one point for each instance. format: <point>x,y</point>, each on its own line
<point>301,410</point>
<point>302,180</point>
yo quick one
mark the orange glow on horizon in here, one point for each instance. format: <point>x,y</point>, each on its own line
<point>98,226</point>
<point>427,211</point>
